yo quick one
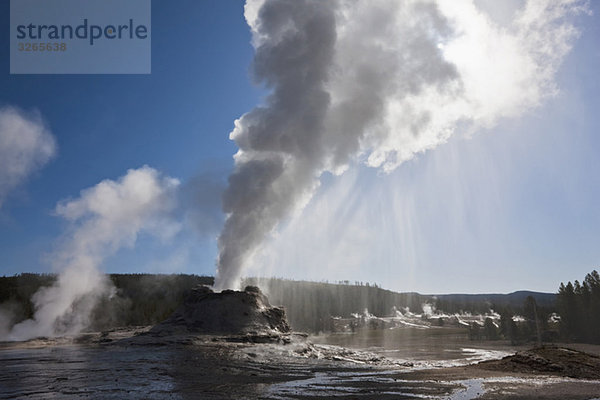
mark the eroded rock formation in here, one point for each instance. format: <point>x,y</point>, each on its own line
<point>247,313</point>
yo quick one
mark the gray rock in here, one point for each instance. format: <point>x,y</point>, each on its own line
<point>247,313</point>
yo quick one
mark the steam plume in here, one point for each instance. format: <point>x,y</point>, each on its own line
<point>375,81</point>
<point>103,219</point>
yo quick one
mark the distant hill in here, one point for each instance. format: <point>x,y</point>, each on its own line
<point>457,302</point>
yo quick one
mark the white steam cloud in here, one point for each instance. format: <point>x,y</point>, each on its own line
<point>103,219</point>
<point>377,81</point>
<point>25,146</point>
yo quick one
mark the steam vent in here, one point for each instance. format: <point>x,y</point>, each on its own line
<point>227,313</point>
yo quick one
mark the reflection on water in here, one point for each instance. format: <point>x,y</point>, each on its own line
<point>360,383</point>
<point>430,347</point>
<point>141,372</point>
<point>79,372</point>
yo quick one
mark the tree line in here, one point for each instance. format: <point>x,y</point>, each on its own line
<point>530,322</point>
<point>145,299</point>
<point>140,299</point>
<point>310,305</point>
<point>579,308</point>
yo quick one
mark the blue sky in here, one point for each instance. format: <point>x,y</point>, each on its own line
<point>513,207</point>
<point>177,120</point>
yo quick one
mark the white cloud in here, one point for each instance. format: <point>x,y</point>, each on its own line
<point>26,145</point>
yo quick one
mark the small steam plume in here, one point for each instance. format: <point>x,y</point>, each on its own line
<point>378,81</point>
<point>103,219</point>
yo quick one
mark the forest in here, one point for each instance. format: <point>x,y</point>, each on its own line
<point>579,307</point>
<point>145,299</point>
<point>141,299</point>
<point>573,314</point>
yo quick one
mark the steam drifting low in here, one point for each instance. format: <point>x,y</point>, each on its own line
<point>378,82</point>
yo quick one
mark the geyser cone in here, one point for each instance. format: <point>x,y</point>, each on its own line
<point>230,312</point>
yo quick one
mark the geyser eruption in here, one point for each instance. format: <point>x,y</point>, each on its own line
<point>103,219</point>
<point>280,144</point>
<point>377,81</point>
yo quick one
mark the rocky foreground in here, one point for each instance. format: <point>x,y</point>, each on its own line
<point>550,360</point>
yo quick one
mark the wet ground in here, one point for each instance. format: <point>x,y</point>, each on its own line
<point>104,367</point>
<point>433,347</point>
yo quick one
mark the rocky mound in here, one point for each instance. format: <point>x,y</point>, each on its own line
<point>246,313</point>
<point>549,360</point>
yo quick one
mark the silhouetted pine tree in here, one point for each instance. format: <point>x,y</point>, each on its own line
<point>579,309</point>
